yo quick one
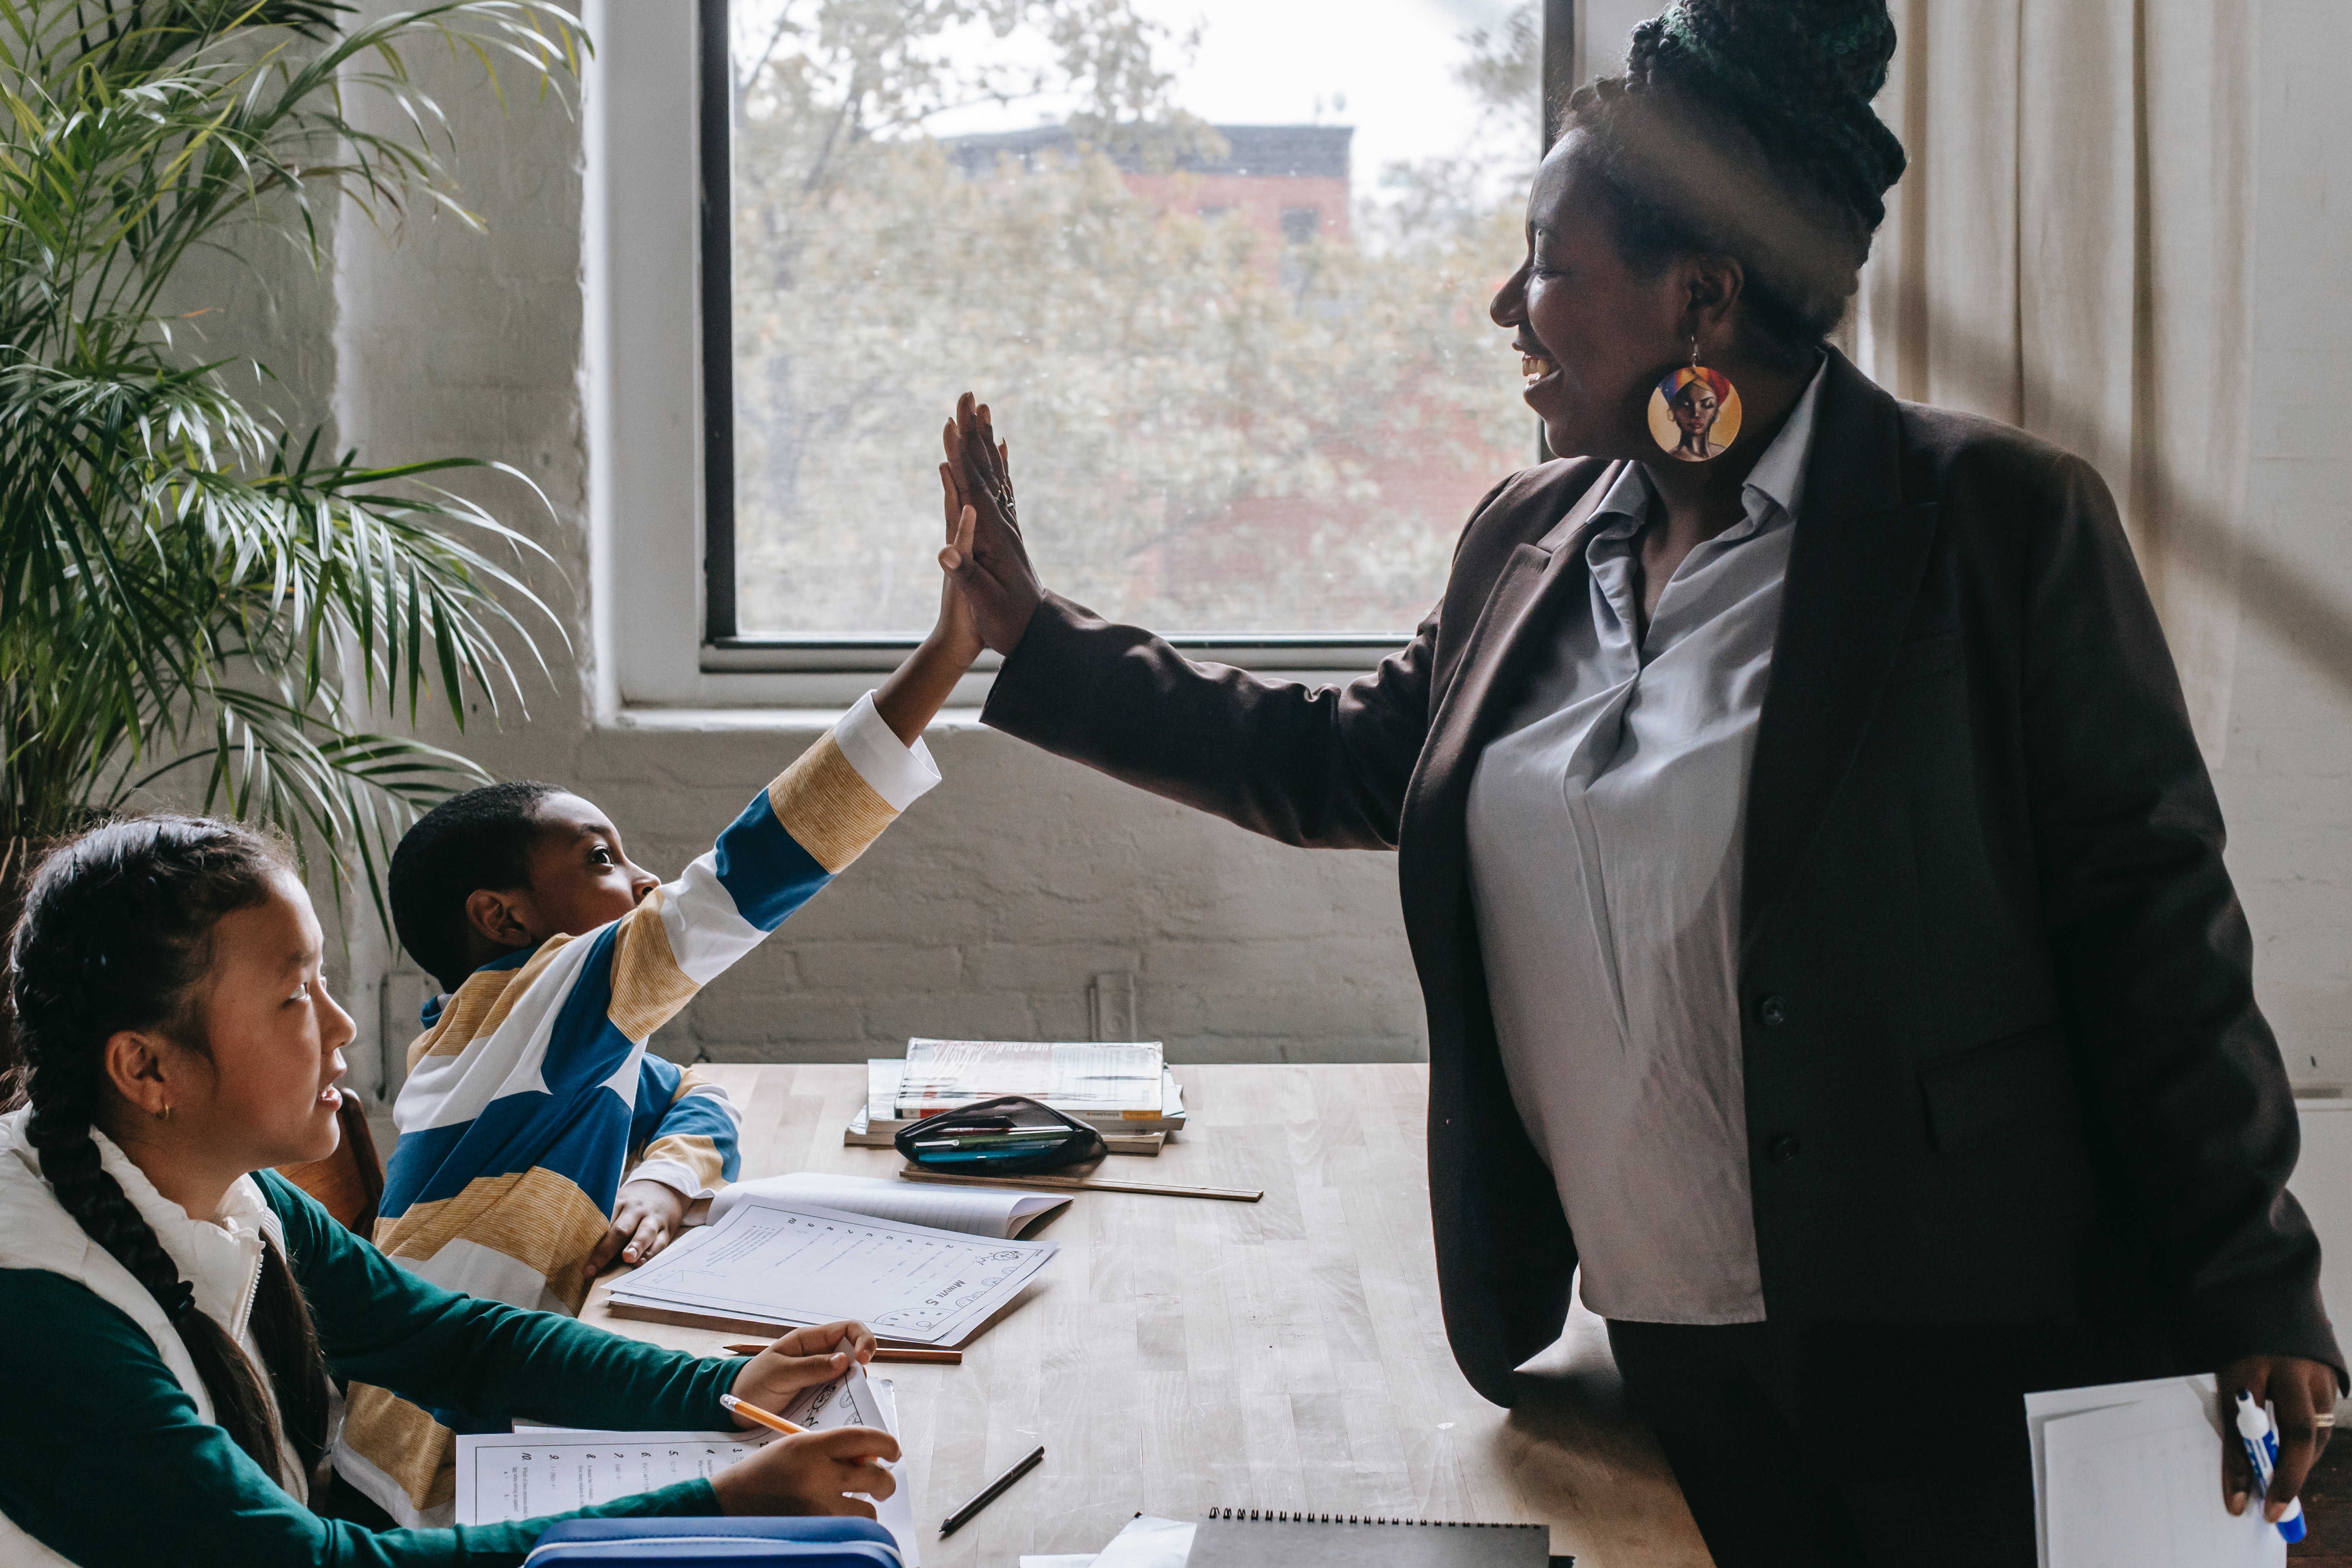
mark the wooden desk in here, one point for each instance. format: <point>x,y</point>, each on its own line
<point>1179,1352</point>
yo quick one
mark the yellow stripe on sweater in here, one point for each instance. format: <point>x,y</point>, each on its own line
<point>649,986</point>
<point>417,1452</point>
<point>481,1005</point>
<point>536,1217</point>
<point>695,1151</point>
<point>828,808</point>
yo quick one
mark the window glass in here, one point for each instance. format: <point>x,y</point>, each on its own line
<point>1221,266</point>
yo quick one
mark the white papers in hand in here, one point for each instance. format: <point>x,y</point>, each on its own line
<point>855,1400</point>
<point>995,1212</point>
<point>2129,1476</point>
<point>542,1470</point>
<point>777,1262</point>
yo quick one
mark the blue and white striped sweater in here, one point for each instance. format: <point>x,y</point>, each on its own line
<point>532,1086</point>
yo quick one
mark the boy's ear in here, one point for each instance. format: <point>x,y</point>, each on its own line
<point>502,919</point>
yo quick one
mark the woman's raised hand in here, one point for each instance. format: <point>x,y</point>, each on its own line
<point>816,1472</point>
<point>985,558</point>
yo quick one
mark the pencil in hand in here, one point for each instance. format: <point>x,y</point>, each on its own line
<point>768,1419</point>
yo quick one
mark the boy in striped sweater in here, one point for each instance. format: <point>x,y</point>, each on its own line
<point>530,1090</point>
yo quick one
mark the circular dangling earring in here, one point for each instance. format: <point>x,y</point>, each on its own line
<point>1695,411</point>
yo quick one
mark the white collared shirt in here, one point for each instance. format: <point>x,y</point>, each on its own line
<point>1606,831</point>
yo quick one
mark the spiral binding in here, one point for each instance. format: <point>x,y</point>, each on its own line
<point>1286,1516</point>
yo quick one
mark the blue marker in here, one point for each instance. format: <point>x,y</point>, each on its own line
<point>2261,1447</point>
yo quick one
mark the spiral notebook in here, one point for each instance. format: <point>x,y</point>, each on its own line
<point>1263,1538</point>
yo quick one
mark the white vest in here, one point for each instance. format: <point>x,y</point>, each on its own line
<point>222,1258</point>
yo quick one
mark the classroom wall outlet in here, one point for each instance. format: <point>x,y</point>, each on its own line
<point>1111,1006</point>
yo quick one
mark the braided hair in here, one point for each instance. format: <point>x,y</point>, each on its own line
<point>1744,127</point>
<point>116,934</point>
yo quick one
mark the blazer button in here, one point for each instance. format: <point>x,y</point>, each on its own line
<point>1783,1148</point>
<point>1773,1010</point>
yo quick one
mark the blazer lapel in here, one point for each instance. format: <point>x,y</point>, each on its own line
<point>1854,569</point>
<point>1527,597</point>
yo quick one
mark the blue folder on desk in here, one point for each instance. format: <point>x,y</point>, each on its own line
<point>795,1542</point>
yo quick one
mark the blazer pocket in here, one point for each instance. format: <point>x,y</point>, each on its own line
<point>1988,1093</point>
<point>1930,654</point>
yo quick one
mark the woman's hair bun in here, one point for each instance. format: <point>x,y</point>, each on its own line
<point>1800,74</point>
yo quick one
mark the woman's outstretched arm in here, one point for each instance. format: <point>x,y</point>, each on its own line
<point>1323,766</point>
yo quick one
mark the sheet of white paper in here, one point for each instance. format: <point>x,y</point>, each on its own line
<point>1145,1543</point>
<point>796,1263</point>
<point>994,1212</point>
<point>542,1470</point>
<point>857,1400</point>
<point>2138,1485</point>
<point>1149,1543</point>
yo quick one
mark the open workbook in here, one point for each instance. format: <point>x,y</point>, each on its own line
<point>782,1252</point>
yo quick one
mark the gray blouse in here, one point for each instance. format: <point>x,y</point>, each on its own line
<point>1605,827</point>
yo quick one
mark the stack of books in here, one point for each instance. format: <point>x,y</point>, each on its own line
<point>1122,1089</point>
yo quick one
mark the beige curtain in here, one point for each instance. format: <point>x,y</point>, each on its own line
<point>2071,251</point>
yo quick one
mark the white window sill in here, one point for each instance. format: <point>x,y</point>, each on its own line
<point>810,722</point>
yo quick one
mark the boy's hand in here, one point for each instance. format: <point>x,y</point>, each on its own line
<point>813,1473</point>
<point>957,633</point>
<point>801,1359</point>
<point>915,692</point>
<point>645,1217</point>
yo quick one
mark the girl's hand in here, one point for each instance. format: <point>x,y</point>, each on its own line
<point>813,1473</point>
<point>801,1359</point>
<point>987,561</point>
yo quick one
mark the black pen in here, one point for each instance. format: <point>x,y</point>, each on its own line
<point>989,1494</point>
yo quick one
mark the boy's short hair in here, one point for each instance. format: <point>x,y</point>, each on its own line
<point>481,839</point>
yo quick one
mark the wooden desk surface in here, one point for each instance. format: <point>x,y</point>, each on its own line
<point>1179,1353</point>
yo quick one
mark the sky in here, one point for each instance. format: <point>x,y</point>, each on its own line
<point>1384,67</point>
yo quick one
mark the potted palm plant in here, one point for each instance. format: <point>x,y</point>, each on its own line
<point>195,595</point>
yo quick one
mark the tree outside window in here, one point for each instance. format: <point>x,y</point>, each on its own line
<point>1250,386</point>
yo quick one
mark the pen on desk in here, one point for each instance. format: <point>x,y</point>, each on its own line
<point>2261,1447</point>
<point>773,1422</point>
<point>990,1493</point>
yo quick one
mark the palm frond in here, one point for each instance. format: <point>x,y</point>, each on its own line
<point>191,591</point>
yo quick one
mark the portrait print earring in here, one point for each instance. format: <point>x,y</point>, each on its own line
<point>1695,411</point>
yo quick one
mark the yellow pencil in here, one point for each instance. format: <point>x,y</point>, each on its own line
<point>734,1406</point>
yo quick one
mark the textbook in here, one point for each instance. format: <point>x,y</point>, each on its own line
<point>1092,1079</point>
<point>1126,1131</point>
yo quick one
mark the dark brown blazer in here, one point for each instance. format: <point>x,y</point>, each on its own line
<point>2003,1063</point>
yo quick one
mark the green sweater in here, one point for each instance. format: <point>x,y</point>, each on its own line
<point>104,1458</point>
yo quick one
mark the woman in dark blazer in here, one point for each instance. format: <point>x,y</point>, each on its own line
<point>1994,1108</point>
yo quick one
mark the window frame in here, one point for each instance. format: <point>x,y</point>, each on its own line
<point>726,645</point>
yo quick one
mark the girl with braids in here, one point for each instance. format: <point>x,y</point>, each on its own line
<point>1814,882</point>
<point>173,1310</point>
